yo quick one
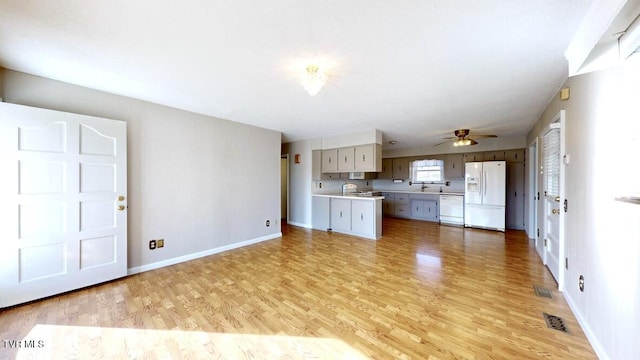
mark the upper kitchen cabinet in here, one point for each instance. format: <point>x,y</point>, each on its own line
<point>387,169</point>
<point>365,158</point>
<point>471,157</point>
<point>493,155</point>
<point>330,160</point>
<point>516,155</point>
<point>368,158</point>
<point>400,168</point>
<point>316,168</point>
<point>346,158</point>
<point>453,166</point>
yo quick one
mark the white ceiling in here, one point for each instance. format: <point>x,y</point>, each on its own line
<point>414,69</point>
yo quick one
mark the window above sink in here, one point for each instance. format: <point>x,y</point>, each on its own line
<point>427,171</point>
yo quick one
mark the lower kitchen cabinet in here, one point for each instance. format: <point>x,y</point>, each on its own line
<point>424,210</point>
<point>402,207</point>
<point>388,204</point>
<point>362,217</point>
<point>341,215</point>
<point>357,217</point>
<point>320,210</point>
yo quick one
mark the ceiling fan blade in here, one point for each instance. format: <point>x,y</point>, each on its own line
<point>444,142</point>
<point>481,136</point>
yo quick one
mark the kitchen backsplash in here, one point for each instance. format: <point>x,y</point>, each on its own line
<point>335,186</point>
<point>456,185</point>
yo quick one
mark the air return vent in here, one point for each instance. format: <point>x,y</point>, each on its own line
<point>542,292</point>
<point>555,322</point>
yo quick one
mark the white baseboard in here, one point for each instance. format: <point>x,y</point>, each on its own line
<point>179,259</point>
<point>597,347</point>
<point>306,226</point>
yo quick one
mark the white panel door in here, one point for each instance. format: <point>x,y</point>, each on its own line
<point>64,222</point>
<point>553,148</point>
<point>494,182</point>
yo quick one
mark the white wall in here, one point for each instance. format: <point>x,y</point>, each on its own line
<point>201,183</point>
<point>603,235</point>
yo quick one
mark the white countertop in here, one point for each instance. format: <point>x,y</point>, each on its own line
<point>350,196</point>
<point>421,192</point>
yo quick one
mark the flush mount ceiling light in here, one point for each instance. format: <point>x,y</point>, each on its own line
<point>312,79</point>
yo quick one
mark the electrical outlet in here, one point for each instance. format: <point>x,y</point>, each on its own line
<point>152,245</point>
<point>268,223</point>
<point>160,243</point>
<point>581,283</point>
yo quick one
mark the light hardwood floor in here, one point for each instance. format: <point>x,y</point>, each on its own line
<point>423,291</point>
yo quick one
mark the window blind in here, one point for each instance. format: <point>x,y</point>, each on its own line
<point>551,157</point>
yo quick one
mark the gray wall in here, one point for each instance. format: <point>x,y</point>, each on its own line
<point>201,183</point>
<point>602,235</point>
<point>299,182</point>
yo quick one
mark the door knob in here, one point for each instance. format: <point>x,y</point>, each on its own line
<point>555,211</point>
<point>120,198</point>
<point>121,207</point>
<point>557,199</point>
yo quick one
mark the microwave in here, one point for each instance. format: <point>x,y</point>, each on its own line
<point>361,175</point>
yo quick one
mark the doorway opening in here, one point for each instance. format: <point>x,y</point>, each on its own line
<point>284,190</point>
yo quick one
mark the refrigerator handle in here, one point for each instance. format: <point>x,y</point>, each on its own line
<point>484,193</point>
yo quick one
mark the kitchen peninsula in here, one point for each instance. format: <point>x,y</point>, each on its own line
<point>353,214</point>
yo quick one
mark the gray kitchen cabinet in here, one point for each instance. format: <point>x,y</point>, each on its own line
<point>330,160</point>
<point>387,169</point>
<point>388,204</point>
<point>453,166</point>
<point>362,217</point>
<point>402,206</point>
<point>358,217</point>
<point>316,168</point>
<point>424,210</point>
<point>365,158</point>
<point>493,155</point>
<point>320,210</point>
<point>346,159</point>
<point>400,168</point>
<point>516,155</point>
<point>471,157</point>
<point>424,206</point>
<point>341,215</point>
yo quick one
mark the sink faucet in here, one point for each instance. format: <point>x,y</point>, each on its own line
<point>423,187</point>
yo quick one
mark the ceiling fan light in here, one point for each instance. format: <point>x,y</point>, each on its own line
<point>462,142</point>
<point>312,79</point>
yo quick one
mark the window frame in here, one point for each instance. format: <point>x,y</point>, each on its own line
<point>430,166</point>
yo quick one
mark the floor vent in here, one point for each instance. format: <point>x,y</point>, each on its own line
<point>542,292</point>
<point>555,322</point>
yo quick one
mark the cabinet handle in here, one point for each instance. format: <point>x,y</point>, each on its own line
<point>363,157</point>
<point>329,160</point>
<point>361,216</point>
<point>345,159</point>
<point>341,213</point>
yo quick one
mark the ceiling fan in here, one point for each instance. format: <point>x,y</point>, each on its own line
<point>462,138</point>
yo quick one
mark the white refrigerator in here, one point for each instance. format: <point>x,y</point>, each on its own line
<point>485,194</point>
